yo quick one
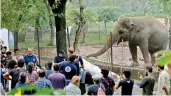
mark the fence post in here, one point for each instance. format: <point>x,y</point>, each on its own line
<point>111,43</point>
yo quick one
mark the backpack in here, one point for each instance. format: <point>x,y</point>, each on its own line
<point>100,92</point>
<point>108,89</point>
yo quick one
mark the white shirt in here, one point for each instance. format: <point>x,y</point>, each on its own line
<point>163,80</point>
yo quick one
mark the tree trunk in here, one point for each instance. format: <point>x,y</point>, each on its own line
<point>60,23</point>
<point>105,27</point>
<point>16,39</point>
<point>16,32</point>
<point>80,27</point>
<point>50,23</point>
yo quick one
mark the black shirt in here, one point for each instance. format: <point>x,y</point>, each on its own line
<point>110,85</point>
<point>15,75</point>
<point>127,86</point>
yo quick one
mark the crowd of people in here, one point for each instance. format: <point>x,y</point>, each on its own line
<point>68,73</point>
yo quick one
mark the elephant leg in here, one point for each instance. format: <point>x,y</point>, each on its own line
<point>133,50</point>
<point>144,49</point>
<point>152,57</point>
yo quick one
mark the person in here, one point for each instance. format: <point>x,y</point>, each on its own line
<point>32,75</point>
<point>17,55</point>
<point>71,52</point>
<point>96,87</point>
<point>73,87</point>
<point>163,82</point>
<point>148,82</point>
<point>85,81</point>
<point>3,56</point>
<point>69,69</point>
<point>42,82</point>
<point>48,69</point>
<point>8,56</point>
<point>10,66</point>
<point>30,57</point>
<point>107,82</point>
<point>168,69</point>
<point>126,83</point>
<point>60,58</point>
<point>22,80</point>
<point>57,79</point>
<point>77,64</point>
<point>14,73</point>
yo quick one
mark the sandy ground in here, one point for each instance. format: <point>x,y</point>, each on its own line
<point>120,54</point>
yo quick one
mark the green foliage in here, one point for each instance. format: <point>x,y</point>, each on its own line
<point>31,90</point>
<point>28,89</point>
<point>27,9</point>
<point>73,14</point>
<point>163,57</point>
<point>108,14</point>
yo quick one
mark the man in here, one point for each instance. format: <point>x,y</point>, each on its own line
<point>42,82</point>
<point>8,56</point>
<point>17,55</point>
<point>30,57</point>
<point>148,82</point>
<point>71,52</point>
<point>57,79</point>
<point>126,83</point>
<point>48,69</point>
<point>60,58</point>
<point>69,69</point>
<point>73,87</point>
<point>107,82</point>
<point>14,73</point>
<point>163,82</point>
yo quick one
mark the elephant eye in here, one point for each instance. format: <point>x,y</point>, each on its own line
<point>121,32</point>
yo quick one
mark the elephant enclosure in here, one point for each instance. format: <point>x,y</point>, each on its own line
<point>117,54</point>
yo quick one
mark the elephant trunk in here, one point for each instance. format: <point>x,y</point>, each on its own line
<point>115,38</point>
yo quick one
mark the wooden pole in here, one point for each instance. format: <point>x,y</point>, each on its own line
<point>121,68</point>
<point>111,43</point>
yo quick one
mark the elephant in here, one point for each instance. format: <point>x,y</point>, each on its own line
<point>146,32</point>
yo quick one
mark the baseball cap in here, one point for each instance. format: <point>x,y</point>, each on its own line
<point>61,52</point>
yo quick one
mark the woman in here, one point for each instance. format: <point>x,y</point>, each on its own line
<point>32,75</point>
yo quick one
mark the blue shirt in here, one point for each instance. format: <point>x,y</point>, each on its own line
<point>43,83</point>
<point>59,59</point>
<point>28,59</point>
<point>20,84</point>
<point>48,71</point>
<point>68,69</point>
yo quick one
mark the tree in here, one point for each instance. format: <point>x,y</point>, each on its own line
<point>58,8</point>
<point>80,26</point>
<point>13,13</point>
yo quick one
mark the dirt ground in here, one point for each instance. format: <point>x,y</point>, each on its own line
<point>120,54</point>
